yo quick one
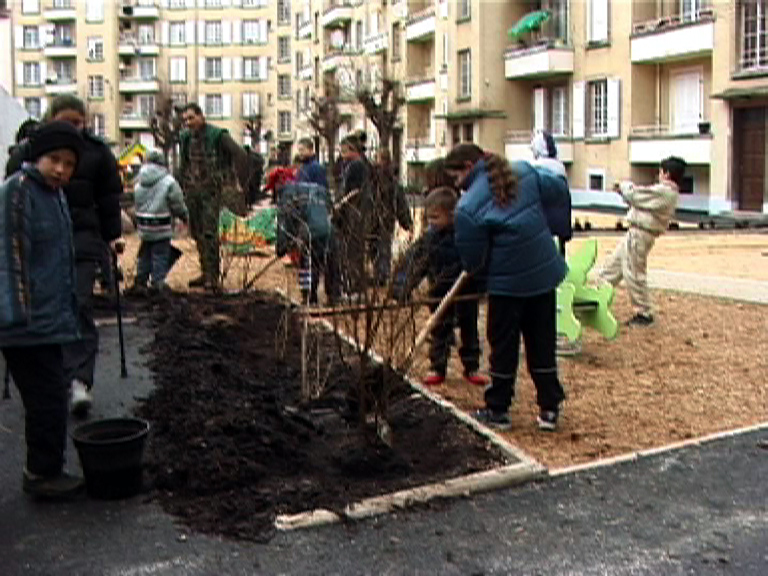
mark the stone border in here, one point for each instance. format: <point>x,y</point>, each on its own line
<point>524,469</point>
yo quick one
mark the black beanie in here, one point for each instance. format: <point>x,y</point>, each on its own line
<point>54,136</point>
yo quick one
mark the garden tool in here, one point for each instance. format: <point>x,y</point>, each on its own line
<point>7,386</point>
<point>116,276</point>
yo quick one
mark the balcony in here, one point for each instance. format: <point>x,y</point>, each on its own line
<point>673,38</point>
<point>336,58</point>
<point>61,12</point>
<point>141,10</point>
<point>61,86</point>
<point>517,146</point>
<point>306,73</point>
<point>61,49</point>
<point>420,89</point>
<point>421,26</point>
<point>549,58</point>
<point>130,45</point>
<point>305,30</point>
<point>138,85</point>
<point>337,13</point>
<point>651,144</point>
<point>376,44</point>
<point>420,151</point>
<point>133,121</point>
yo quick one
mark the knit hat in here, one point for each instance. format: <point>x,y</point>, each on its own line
<point>543,145</point>
<point>55,136</point>
<point>156,157</point>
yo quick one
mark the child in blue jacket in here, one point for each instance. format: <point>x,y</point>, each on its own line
<point>504,242</point>
<point>38,307</point>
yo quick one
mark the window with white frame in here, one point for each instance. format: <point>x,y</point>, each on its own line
<point>31,73</point>
<point>63,35</point>
<point>557,25</point>
<point>179,98</point>
<point>99,125</point>
<point>33,106</point>
<point>397,39</point>
<point>754,34</point>
<point>96,86</point>
<point>250,31</point>
<point>251,68</point>
<point>31,37</point>
<point>596,180</point>
<point>146,34</point>
<point>177,4</point>
<point>690,9</point>
<point>214,105</point>
<point>465,74</point>
<point>283,11</point>
<point>686,101</point>
<point>558,124</point>
<point>178,68</point>
<point>283,86</point>
<point>146,105</point>
<point>147,68</point>
<point>94,11</point>
<point>30,6</point>
<point>465,9</point>
<point>358,36</point>
<point>284,48</point>
<point>284,122</point>
<point>213,3</point>
<point>213,32</point>
<point>64,70</point>
<point>598,28</point>
<point>213,68</point>
<point>177,33</point>
<point>597,108</point>
<point>446,51</point>
<point>250,104</point>
<point>96,48</point>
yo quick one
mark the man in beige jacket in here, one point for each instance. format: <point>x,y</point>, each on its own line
<point>650,210</point>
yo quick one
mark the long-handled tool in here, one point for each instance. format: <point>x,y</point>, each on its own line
<point>7,384</point>
<point>123,369</point>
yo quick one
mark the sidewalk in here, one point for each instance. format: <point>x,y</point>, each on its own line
<point>719,286</point>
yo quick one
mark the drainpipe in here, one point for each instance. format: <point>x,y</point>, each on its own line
<point>658,94</point>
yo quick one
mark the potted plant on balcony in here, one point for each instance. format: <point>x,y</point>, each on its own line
<point>704,127</point>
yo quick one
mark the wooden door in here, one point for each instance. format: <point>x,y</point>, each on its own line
<point>749,158</point>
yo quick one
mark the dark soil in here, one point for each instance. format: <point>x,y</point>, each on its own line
<point>231,446</point>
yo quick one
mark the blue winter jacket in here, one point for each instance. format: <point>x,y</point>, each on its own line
<point>311,171</point>
<point>510,247</point>
<point>37,263</point>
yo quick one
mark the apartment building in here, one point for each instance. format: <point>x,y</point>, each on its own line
<point>125,57</point>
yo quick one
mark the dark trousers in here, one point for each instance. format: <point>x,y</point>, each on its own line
<point>313,263</point>
<point>80,356</point>
<point>154,259</point>
<point>442,337</point>
<point>380,251</point>
<point>349,256</point>
<point>38,373</point>
<point>534,318</point>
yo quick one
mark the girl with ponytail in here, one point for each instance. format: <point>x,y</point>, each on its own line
<point>504,242</point>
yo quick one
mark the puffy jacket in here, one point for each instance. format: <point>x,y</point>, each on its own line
<point>651,207</point>
<point>158,199</point>
<point>37,263</point>
<point>510,246</point>
<point>303,216</point>
<point>558,214</point>
<point>311,171</point>
<point>93,196</point>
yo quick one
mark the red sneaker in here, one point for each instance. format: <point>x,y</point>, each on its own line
<point>475,379</point>
<point>433,379</point>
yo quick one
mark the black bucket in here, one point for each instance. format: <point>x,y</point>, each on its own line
<point>111,453</point>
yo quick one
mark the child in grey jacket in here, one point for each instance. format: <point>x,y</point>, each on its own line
<point>158,200</point>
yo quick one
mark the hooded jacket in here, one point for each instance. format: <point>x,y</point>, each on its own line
<point>158,199</point>
<point>37,263</point>
<point>545,158</point>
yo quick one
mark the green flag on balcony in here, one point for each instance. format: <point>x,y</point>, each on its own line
<point>528,23</point>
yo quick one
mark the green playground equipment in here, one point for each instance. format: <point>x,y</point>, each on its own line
<point>579,305</point>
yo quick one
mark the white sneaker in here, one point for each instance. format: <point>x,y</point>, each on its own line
<point>81,398</point>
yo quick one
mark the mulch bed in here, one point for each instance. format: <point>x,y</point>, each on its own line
<point>232,446</point>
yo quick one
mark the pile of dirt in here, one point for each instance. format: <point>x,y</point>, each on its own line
<point>231,445</point>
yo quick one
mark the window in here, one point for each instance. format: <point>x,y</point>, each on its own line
<point>96,48</point>
<point>446,52</point>
<point>284,122</point>
<point>31,73</point>
<point>284,48</point>
<point>250,69</point>
<point>557,26</point>
<point>213,32</point>
<point>214,105</point>
<point>456,134</point>
<point>213,68</point>
<point>598,20</point>
<point>306,98</point>
<point>34,107</point>
<point>686,186</point>
<point>99,125</point>
<point>686,101</point>
<point>465,74</point>
<point>31,37</point>
<point>358,35</point>
<point>283,12</point>
<point>689,10</point>
<point>754,15</point>
<point>146,105</point>
<point>250,31</point>
<point>250,104</point>
<point>283,86</point>
<point>146,34</point>
<point>178,4</point>
<point>63,36</point>
<point>213,3</point>
<point>179,98</point>
<point>465,9</point>
<point>298,102</point>
<point>147,69</point>
<point>178,68</point>
<point>178,33</point>
<point>559,111</point>
<point>64,70</point>
<point>597,110</point>
<point>469,132</point>
<point>30,6</point>
<point>596,180</point>
<point>96,87</point>
<point>397,31</point>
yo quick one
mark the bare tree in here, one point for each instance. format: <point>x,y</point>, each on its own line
<point>325,119</point>
<point>166,126</point>
<point>382,102</point>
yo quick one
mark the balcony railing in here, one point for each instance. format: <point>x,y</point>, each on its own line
<point>420,15</point>
<point>524,136</point>
<point>674,21</point>
<point>425,76</point>
<point>665,131</point>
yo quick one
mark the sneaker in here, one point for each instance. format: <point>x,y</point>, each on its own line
<point>475,379</point>
<point>198,282</point>
<point>547,420</point>
<point>433,379</point>
<point>640,320</point>
<point>59,487</point>
<point>81,399</point>
<point>493,419</point>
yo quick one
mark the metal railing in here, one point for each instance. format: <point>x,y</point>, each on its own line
<point>524,136</point>
<point>423,78</point>
<point>420,15</point>
<point>665,130</point>
<point>673,21</point>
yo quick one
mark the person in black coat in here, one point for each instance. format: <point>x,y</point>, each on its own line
<point>93,196</point>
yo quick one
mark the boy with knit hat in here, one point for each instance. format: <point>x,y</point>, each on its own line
<point>38,311</point>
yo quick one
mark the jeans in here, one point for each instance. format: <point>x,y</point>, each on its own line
<point>535,318</point>
<point>154,260</point>
<point>37,372</point>
<point>80,356</point>
<point>314,263</point>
